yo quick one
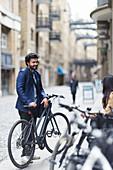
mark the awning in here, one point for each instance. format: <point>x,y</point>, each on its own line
<point>86,63</point>
<point>60,71</point>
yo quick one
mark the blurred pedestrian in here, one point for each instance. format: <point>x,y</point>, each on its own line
<point>68,80</point>
<point>73,86</point>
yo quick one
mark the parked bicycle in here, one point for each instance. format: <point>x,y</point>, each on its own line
<point>73,141</point>
<point>80,159</point>
<point>100,155</point>
<point>52,128</point>
<point>97,158</point>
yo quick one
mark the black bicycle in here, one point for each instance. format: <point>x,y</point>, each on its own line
<point>24,133</point>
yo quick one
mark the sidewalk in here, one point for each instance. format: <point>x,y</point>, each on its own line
<point>9,115</point>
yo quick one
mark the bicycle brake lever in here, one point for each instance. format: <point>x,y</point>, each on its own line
<point>88,109</point>
<point>62,97</point>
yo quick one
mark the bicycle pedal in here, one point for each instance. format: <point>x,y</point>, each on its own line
<point>49,134</point>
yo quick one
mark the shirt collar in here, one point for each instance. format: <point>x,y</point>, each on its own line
<point>32,71</point>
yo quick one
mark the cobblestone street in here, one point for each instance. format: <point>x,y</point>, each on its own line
<point>8,115</point>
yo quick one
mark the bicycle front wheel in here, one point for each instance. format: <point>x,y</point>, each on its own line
<point>20,138</point>
<point>55,161</point>
<point>52,132</point>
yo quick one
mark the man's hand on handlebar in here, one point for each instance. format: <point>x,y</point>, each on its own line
<point>45,101</point>
<point>33,104</point>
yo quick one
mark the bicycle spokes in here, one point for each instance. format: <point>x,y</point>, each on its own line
<point>54,130</point>
<point>21,143</point>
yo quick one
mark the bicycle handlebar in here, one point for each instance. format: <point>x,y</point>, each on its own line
<point>71,108</point>
<point>55,95</point>
<point>49,96</point>
<point>66,107</point>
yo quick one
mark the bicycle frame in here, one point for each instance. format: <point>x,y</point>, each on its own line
<point>47,118</point>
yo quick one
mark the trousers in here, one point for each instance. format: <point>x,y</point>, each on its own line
<point>27,148</point>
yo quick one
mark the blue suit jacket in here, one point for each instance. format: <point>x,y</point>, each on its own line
<point>25,91</point>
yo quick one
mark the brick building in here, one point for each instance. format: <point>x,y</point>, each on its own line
<point>10,26</point>
<point>41,26</point>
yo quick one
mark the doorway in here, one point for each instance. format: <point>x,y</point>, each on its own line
<point>5,82</point>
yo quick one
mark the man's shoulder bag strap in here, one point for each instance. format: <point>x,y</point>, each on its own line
<point>38,91</point>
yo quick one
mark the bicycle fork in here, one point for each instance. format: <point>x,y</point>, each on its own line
<point>83,135</point>
<point>68,145</point>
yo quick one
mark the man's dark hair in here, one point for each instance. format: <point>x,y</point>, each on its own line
<point>29,56</point>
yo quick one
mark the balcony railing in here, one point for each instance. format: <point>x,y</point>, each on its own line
<point>43,24</point>
<point>102,2</point>
<point>55,14</point>
<point>54,36</point>
<point>43,2</point>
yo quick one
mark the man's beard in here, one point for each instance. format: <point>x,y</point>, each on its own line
<point>33,68</point>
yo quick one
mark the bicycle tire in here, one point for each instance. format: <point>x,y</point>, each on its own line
<point>54,164</point>
<point>16,141</point>
<point>63,124</point>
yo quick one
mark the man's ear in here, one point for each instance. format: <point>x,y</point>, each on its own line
<point>28,63</point>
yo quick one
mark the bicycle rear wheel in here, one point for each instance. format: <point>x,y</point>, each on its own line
<point>52,135</point>
<point>17,140</point>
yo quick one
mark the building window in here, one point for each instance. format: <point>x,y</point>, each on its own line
<point>4,41</point>
<point>32,6</point>
<point>31,34</point>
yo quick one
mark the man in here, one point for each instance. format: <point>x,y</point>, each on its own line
<point>73,85</point>
<point>27,91</point>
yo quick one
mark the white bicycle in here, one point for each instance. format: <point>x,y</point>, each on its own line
<point>93,159</point>
<point>73,142</point>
